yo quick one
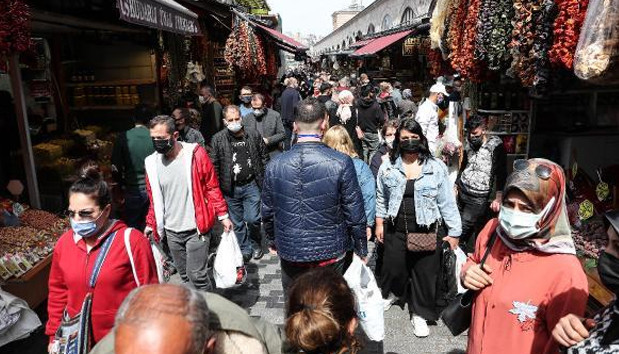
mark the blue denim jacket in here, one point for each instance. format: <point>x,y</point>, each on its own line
<point>434,195</point>
<point>368,189</point>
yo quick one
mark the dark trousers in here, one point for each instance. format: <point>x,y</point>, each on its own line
<point>190,253</point>
<point>474,214</point>
<point>136,208</point>
<point>244,209</point>
<point>291,271</point>
<point>288,140</point>
<point>412,276</point>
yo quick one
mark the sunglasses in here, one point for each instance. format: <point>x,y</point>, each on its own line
<point>542,171</point>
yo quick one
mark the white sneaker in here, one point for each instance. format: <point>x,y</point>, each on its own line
<point>420,327</point>
<point>388,302</point>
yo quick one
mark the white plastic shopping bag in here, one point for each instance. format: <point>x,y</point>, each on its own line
<point>369,299</point>
<point>460,260</point>
<point>227,261</point>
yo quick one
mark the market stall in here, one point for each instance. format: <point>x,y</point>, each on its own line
<point>545,74</point>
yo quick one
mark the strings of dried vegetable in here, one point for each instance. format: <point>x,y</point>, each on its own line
<point>464,61</point>
<point>498,56</point>
<point>522,41</point>
<point>456,28</point>
<point>542,43</point>
<point>437,23</point>
<point>451,11</point>
<point>484,28</point>
<point>245,51</point>
<point>570,18</point>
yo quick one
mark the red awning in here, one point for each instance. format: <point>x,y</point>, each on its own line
<point>359,44</point>
<point>380,43</point>
<point>283,40</point>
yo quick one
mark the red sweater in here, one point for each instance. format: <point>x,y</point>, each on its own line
<point>71,269</point>
<point>531,291</point>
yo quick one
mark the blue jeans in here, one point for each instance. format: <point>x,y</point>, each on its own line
<point>136,208</point>
<point>244,210</point>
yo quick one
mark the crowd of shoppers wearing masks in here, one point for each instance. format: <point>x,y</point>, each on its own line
<point>320,179</point>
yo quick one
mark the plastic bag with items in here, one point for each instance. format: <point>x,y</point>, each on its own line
<point>368,297</point>
<point>228,262</point>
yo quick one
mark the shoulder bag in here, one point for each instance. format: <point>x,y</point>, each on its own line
<point>457,315</point>
<point>74,334</point>
<point>420,241</point>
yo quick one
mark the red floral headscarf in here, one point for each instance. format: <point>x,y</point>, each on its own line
<point>555,235</point>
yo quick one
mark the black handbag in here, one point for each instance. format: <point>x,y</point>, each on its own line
<point>457,315</point>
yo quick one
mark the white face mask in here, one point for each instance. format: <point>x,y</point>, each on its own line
<point>389,142</point>
<point>202,99</point>
<point>518,225</point>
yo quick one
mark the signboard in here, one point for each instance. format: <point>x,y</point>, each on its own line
<point>165,15</point>
<point>410,47</point>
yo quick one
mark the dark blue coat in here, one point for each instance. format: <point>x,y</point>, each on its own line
<point>312,206</point>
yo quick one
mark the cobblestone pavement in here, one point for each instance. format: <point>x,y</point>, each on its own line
<point>262,296</point>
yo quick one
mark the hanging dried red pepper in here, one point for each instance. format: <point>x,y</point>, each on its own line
<point>567,31</point>
<point>14,27</point>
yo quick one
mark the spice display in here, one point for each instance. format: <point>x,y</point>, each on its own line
<point>43,220</point>
<point>591,238</point>
<point>571,15</point>
<point>597,53</point>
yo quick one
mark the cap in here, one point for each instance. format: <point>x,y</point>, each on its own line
<point>613,218</point>
<point>439,88</point>
<point>325,86</point>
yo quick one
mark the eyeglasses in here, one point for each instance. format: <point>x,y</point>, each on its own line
<point>542,171</point>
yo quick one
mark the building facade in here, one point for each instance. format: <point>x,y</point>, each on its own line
<point>381,15</point>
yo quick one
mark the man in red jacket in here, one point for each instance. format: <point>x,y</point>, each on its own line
<point>184,200</point>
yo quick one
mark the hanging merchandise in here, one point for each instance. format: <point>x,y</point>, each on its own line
<point>494,33</point>
<point>464,61</point>
<point>245,51</point>
<point>457,15</point>
<point>566,31</point>
<point>437,25</point>
<point>194,73</point>
<point>597,54</point>
<point>542,43</point>
<point>14,27</point>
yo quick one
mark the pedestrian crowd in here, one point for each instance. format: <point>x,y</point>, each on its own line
<point>337,163</point>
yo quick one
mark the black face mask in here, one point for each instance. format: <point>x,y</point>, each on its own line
<point>163,146</point>
<point>412,145</point>
<point>608,269</point>
<point>476,141</point>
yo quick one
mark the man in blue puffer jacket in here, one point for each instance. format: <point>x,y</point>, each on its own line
<point>312,206</point>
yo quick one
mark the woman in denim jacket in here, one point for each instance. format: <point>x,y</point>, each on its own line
<point>413,195</point>
<point>337,138</point>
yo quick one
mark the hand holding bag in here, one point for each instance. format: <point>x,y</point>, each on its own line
<point>74,334</point>
<point>457,315</point>
<point>420,241</point>
<point>227,261</point>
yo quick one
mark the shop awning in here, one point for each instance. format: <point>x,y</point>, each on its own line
<point>167,15</point>
<point>285,42</point>
<point>380,43</point>
<point>362,43</point>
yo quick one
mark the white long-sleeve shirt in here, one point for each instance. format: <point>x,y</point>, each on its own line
<point>427,117</point>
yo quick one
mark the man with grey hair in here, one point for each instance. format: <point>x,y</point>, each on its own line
<point>290,98</point>
<point>166,318</point>
<point>240,155</point>
<point>185,199</point>
<point>406,107</point>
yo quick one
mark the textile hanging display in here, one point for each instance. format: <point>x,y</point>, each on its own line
<point>571,16</point>
<point>245,51</point>
<point>14,27</point>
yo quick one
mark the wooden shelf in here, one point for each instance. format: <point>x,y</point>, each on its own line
<point>102,108</point>
<point>135,82</point>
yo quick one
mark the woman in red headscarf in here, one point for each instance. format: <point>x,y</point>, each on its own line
<point>531,277</point>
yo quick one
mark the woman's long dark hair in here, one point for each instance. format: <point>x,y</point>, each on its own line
<point>411,125</point>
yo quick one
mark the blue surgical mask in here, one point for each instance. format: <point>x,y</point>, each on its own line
<point>519,225</point>
<point>85,229</point>
<point>235,127</point>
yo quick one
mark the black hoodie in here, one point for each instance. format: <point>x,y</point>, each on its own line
<point>370,115</point>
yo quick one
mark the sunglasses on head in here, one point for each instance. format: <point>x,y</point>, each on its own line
<point>542,171</point>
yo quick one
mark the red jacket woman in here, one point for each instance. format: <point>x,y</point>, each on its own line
<point>531,278</point>
<point>76,253</point>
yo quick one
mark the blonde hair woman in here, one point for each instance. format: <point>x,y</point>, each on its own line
<point>338,139</point>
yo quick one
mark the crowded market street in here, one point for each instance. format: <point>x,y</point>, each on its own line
<point>309,177</point>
